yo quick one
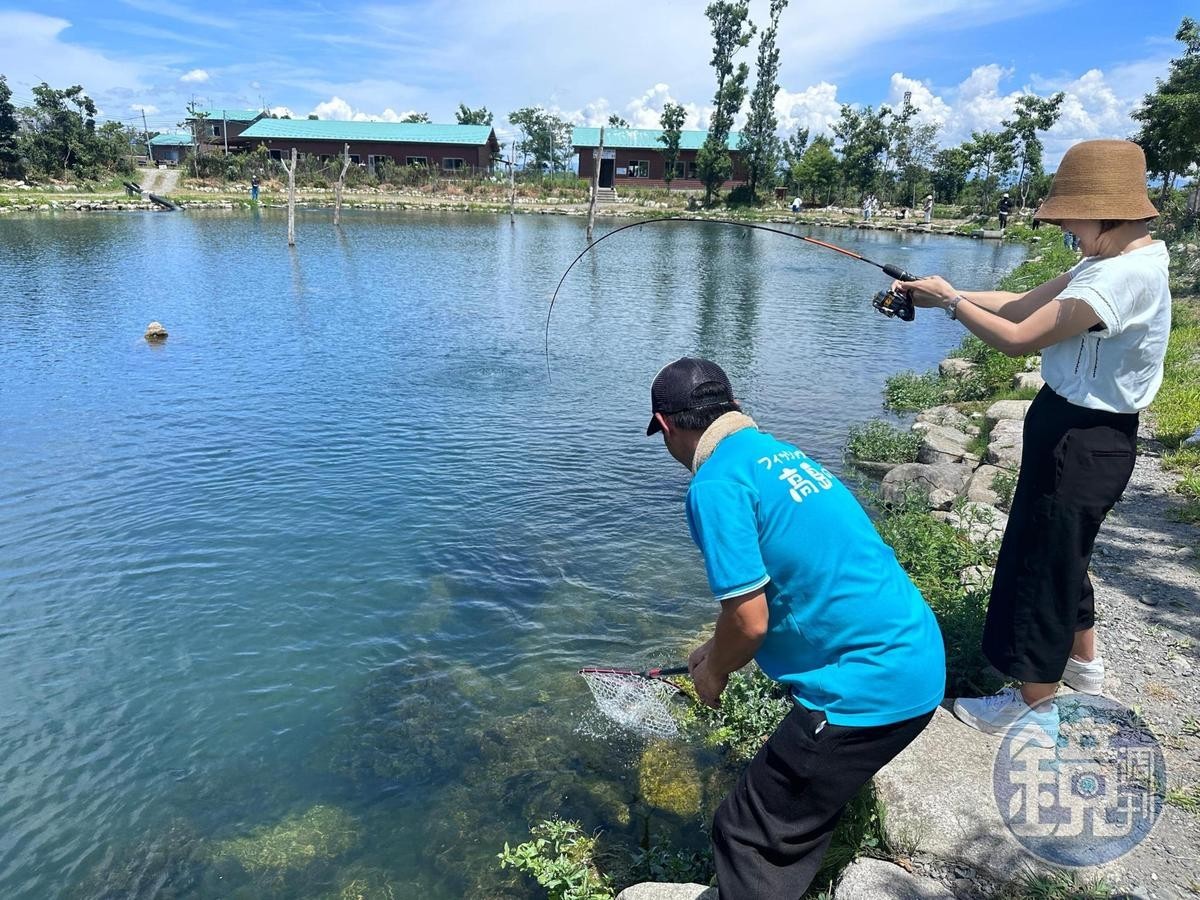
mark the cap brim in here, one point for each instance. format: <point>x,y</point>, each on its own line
<point>653,428</point>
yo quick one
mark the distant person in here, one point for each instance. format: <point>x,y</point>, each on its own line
<point>803,585</point>
<point>928,209</point>
<point>796,204</point>
<point>902,212</point>
<point>1070,241</point>
<point>866,208</point>
<point>1037,223</point>
<point>1003,210</point>
<point>1102,328</point>
<point>254,188</point>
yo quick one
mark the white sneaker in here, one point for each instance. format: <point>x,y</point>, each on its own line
<point>1085,677</point>
<point>1007,713</point>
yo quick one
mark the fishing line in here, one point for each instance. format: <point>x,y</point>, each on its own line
<point>890,303</point>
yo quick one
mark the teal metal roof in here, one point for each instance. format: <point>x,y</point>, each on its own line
<point>172,139</point>
<point>230,115</point>
<point>393,132</point>
<point>643,138</point>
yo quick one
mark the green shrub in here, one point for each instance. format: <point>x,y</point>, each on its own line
<point>751,709</point>
<point>909,391</point>
<point>1177,407</point>
<point>1005,484</point>
<point>670,865</point>
<point>561,859</point>
<point>882,442</point>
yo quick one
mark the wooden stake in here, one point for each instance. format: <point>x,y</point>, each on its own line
<point>341,183</point>
<point>291,171</point>
<point>512,181</point>
<point>595,186</point>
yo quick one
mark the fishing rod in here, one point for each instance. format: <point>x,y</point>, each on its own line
<point>893,304</point>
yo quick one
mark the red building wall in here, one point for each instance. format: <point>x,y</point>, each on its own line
<point>656,168</point>
<point>475,157</point>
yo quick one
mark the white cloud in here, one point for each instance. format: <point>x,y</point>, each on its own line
<point>145,108</point>
<point>195,76</point>
<point>339,110</point>
<point>282,111</point>
<point>30,42</point>
<point>815,108</point>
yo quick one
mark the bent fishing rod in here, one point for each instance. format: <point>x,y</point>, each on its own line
<point>893,304</point>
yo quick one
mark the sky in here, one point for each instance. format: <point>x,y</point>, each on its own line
<point>965,61</point>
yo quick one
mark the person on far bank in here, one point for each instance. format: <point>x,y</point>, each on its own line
<point>1102,328</point>
<point>254,188</point>
<point>1003,211</point>
<point>928,209</point>
<point>808,589</point>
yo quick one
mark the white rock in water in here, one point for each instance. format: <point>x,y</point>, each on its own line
<point>155,332</point>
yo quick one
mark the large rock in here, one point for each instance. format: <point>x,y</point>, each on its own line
<point>981,523</point>
<point>1008,409</point>
<point>955,367</point>
<point>980,488</point>
<point>945,415</point>
<point>1028,381</point>
<point>649,890</point>
<point>942,444</point>
<point>875,879</point>
<point>1004,444</point>
<point>939,484</point>
<point>872,467</point>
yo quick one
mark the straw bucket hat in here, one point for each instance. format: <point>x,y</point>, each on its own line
<point>1099,180</point>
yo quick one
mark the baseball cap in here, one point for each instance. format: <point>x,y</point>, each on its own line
<point>677,383</point>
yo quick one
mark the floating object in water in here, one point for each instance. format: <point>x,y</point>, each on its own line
<point>155,332</point>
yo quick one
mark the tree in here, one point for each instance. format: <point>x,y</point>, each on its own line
<point>912,146</point>
<point>731,31</point>
<point>673,116</point>
<point>950,169</point>
<point>10,154</point>
<point>793,148</point>
<point>816,171</point>
<point>416,118</point>
<point>60,131</point>
<point>864,140</point>
<point>1030,115</point>
<point>992,158</point>
<point>468,116</point>
<point>314,117</point>
<point>615,121</point>
<point>760,145</point>
<point>545,137</point>
<point>1170,116</point>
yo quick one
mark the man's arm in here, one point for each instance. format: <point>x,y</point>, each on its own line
<point>740,630</point>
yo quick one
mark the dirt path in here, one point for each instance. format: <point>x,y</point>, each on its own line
<point>158,181</point>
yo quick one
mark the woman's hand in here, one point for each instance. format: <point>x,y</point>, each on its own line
<point>927,293</point>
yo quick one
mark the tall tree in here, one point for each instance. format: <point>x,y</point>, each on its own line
<point>615,121</point>
<point>60,131</point>
<point>793,148</point>
<point>949,176</point>
<point>864,140</point>
<point>731,31</point>
<point>1030,115</point>
<point>816,172</point>
<point>10,154</point>
<point>545,137</point>
<point>416,118</point>
<point>468,116</point>
<point>1170,115</point>
<point>760,145</point>
<point>992,158</point>
<point>673,116</point>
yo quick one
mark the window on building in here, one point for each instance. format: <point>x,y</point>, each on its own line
<point>416,160</point>
<point>355,159</point>
<point>453,164</point>
<point>378,159</point>
<point>638,168</point>
<point>693,171</point>
<point>276,154</point>
<point>214,129</point>
<point>679,169</point>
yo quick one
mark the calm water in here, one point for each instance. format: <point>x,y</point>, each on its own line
<point>339,543</point>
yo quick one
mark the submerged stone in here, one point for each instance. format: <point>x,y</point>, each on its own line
<point>321,832</point>
<point>668,779</point>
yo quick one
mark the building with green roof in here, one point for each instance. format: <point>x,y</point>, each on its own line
<point>170,146</point>
<point>450,148</point>
<point>220,128</point>
<point>633,157</point>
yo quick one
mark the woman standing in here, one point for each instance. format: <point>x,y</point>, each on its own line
<point>1102,328</point>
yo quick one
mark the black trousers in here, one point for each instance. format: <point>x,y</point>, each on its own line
<point>1075,464</point>
<point>771,832</point>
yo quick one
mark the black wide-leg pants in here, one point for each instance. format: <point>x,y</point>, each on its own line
<point>1075,464</point>
<point>771,832</point>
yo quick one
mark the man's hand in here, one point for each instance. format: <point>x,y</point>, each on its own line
<point>709,685</point>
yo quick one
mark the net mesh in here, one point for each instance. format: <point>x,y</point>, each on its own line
<point>641,705</point>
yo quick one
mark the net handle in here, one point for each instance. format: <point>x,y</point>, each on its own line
<point>660,672</point>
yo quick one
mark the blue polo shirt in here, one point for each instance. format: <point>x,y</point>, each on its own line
<point>849,633</point>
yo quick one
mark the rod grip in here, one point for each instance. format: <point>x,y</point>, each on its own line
<point>666,670</point>
<point>898,273</point>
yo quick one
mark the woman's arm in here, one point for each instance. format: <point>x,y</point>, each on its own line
<point>1013,307</point>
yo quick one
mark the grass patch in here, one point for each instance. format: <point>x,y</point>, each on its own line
<point>880,441</point>
<point>910,391</point>
<point>1186,797</point>
<point>1177,407</point>
<point>1055,886</point>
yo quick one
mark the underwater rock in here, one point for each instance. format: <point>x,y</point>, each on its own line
<point>322,832</point>
<point>668,779</point>
<point>166,864</point>
<point>362,883</point>
<point>155,332</point>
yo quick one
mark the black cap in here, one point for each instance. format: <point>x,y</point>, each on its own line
<point>676,384</point>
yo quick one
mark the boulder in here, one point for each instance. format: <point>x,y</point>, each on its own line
<point>155,332</point>
<point>876,879</point>
<point>943,415</point>
<point>953,367</point>
<point>941,444</point>
<point>980,523</point>
<point>1004,444</point>
<point>976,578</point>
<point>1028,381</point>
<point>939,484</point>
<point>871,467</point>
<point>1008,409</point>
<point>649,890</point>
<point>979,487</point>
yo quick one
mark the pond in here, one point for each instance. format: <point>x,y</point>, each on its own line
<point>294,601</point>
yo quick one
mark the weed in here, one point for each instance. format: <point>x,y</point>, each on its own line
<point>1055,886</point>
<point>882,442</point>
<point>560,857</point>
<point>1004,484</point>
<point>909,391</point>
<point>1185,797</point>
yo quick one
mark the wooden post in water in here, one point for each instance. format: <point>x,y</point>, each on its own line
<point>291,171</point>
<point>512,181</point>
<point>595,186</point>
<point>341,183</point>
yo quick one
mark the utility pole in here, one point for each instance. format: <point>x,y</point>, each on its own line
<point>595,186</point>
<point>512,181</point>
<point>146,133</point>
<point>225,130</point>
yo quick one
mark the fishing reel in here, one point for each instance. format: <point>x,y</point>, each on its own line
<point>895,304</point>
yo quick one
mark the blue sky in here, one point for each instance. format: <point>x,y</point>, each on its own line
<point>964,60</point>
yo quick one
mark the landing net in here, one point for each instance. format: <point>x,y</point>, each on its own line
<point>641,705</point>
